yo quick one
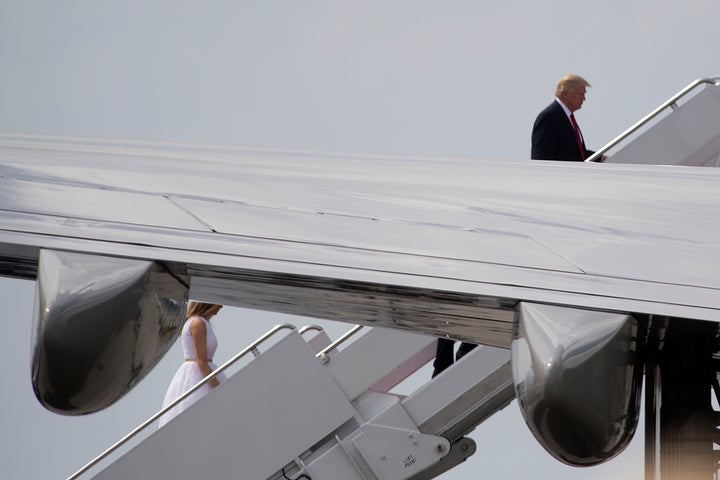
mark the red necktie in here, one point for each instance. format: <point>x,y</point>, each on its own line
<point>577,136</point>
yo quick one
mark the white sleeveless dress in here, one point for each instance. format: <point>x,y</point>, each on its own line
<point>189,374</point>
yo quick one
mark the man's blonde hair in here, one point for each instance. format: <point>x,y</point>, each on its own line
<point>569,83</point>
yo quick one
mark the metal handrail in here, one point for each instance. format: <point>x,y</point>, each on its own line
<point>310,327</point>
<point>323,353</point>
<point>151,420</point>
<point>595,157</point>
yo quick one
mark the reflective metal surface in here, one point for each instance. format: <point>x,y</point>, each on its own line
<point>519,230</point>
<point>443,246</point>
<point>578,377</point>
<point>101,324</point>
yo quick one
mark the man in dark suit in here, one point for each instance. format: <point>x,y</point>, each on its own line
<point>555,134</point>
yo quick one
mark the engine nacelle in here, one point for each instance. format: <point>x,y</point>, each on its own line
<point>578,378</point>
<point>101,324</point>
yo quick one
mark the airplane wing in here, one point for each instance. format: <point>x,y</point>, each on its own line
<point>440,246</point>
<point>443,246</point>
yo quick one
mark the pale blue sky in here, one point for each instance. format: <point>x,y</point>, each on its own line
<point>450,78</point>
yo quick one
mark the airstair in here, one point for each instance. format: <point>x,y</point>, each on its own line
<point>312,410</point>
<point>684,130</point>
<point>315,409</point>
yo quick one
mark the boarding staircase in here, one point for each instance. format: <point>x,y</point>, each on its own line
<point>684,130</point>
<point>313,410</point>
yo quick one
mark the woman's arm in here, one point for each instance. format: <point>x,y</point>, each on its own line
<point>199,335</point>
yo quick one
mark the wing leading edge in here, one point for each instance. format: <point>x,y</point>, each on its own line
<point>452,247</point>
<point>478,234</point>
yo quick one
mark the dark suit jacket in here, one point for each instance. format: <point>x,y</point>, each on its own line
<point>553,136</point>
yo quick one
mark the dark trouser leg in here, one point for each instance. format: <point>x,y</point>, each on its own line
<point>464,348</point>
<point>443,355</point>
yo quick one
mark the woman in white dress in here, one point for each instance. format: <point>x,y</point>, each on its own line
<point>199,344</point>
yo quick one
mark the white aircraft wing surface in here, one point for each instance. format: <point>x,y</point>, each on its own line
<point>592,274</point>
<point>435,245</point>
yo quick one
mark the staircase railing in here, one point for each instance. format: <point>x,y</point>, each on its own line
<point>250,348</point>
<point>323,354</point>
<point>670,103</point>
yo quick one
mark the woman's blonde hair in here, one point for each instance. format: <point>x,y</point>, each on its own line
<point>199,309</point>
